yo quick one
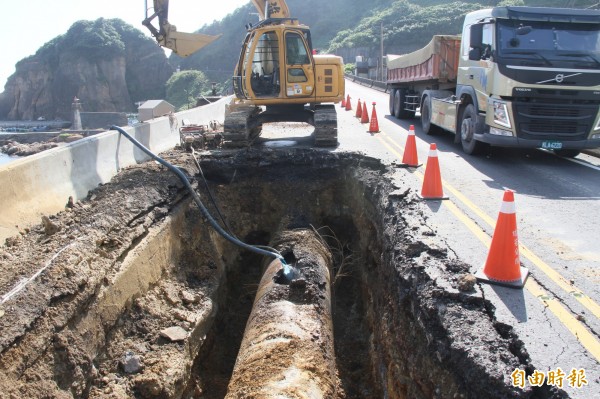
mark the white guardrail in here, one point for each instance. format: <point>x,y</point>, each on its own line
<point>41,184</point>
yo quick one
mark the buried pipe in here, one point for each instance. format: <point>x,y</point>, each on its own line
<point>288,349</point>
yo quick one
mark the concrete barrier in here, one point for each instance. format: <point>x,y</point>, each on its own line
<point>41,184</point>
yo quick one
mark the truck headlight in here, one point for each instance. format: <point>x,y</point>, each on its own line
<point>501,113</point>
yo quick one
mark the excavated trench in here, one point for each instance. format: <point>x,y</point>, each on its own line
<point>400,326</point>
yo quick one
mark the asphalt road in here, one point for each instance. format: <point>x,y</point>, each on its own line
<point>557,313</point>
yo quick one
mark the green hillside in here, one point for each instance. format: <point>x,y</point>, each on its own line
<point>350,27</point>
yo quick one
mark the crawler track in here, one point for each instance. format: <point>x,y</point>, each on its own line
<point>244,125</point>
<point>238,128</point>
<point>325,121</point>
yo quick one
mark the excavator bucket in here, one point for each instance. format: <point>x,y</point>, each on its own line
<point>184,44</point>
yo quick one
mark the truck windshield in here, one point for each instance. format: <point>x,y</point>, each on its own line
<point>528,37</point>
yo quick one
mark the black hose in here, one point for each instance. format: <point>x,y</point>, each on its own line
<point>198,202</point>
<point>216,206</point>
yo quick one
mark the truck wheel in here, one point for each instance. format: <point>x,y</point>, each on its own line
<point>426,125</point>
<point>401,112</point>
<point>468,127</point>
<point>392,96</point>
<point>567,153</point>
<point>397,103</point>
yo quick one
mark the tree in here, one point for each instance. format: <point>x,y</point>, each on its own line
<point>184,87</point>
<point>94,39</point>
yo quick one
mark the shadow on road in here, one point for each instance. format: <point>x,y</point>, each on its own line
<point>540,173</point>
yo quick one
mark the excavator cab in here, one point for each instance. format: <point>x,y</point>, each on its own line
<point>272,56</point>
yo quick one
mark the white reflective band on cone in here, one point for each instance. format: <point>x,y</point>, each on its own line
<point>508,207</point>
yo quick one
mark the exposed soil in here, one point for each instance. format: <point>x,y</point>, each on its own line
<point>405,323</point>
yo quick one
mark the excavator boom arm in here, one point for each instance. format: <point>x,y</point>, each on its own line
<point>271,8</point>
<point>166,35</point>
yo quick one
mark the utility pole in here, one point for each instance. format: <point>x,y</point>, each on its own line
<point>381,42</point>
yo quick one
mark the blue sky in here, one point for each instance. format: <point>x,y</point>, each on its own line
<point>28,24</point>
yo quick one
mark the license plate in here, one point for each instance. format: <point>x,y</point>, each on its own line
<point>552,145</point>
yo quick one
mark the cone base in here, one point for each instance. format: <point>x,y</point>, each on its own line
<point>405,165</point>
<point>510,284</point>
<point>432,198</point>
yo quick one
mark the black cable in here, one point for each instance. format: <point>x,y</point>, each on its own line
<point>210,195</point>
<point>216,206</point>
<point>198,202</point>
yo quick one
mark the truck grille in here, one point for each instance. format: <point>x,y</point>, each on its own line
<point>549,121</point>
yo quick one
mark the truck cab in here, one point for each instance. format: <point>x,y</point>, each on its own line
<point>533,76</point>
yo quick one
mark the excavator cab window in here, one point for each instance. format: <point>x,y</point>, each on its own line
<point>299,68</point>
<point>264,78</point>
<point>296,53</point>
<point>239,79</point>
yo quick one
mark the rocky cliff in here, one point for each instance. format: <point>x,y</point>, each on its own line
<point>107,64</point>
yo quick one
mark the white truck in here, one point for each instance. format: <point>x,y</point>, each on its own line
<point>517,77</point>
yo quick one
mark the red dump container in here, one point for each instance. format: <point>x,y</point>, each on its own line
<point>438,61</point>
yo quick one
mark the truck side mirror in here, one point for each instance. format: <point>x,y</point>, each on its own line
<point>475,54</point>
<point>476,37</point>
<point>476,42</point>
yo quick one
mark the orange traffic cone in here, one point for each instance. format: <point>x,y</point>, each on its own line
<point>503,266</point>
<point>358,109</point>
<point>374,126</point>
<point>432,183</point>
<point>410,157</point>
<point>348,105</point>
<point>364,115</point>
<point>343,102</point>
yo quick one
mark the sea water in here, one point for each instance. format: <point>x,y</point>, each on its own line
<point>4,159</point>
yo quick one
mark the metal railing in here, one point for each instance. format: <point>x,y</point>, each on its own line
<point>375,84</point>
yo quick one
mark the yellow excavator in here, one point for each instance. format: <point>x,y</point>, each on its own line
<point>278,78</point>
